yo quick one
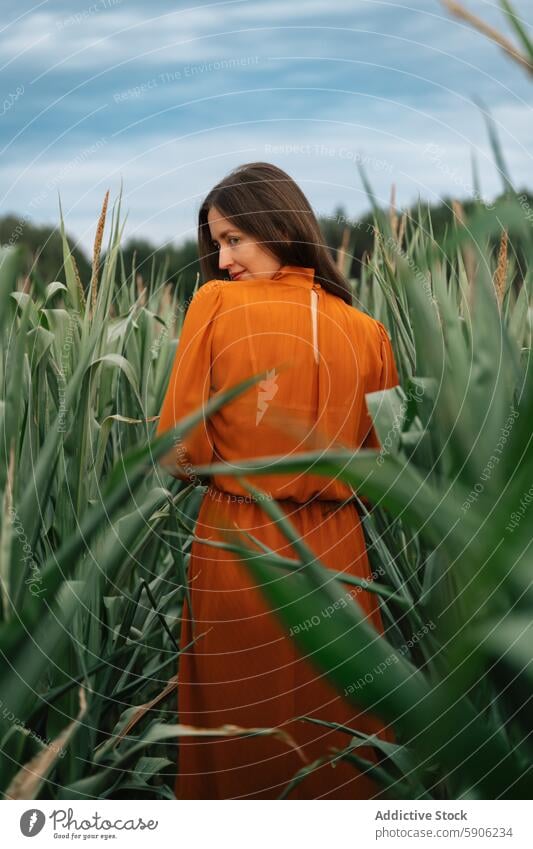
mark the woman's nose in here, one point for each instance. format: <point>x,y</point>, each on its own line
<point>224,257</point>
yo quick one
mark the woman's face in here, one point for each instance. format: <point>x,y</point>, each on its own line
<point>239,253</point>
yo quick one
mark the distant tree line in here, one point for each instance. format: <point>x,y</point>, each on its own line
<point>43,252</point>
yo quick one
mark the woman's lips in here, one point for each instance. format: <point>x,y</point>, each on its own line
<point>236,276</point>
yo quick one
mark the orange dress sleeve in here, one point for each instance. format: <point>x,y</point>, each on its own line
<point>388,377</point>
<point>389,373</point>
<point>190,384</point>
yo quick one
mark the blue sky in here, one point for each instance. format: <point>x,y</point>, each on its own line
<point>169,97</point>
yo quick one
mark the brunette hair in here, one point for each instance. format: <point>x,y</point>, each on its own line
<point>265,202</point>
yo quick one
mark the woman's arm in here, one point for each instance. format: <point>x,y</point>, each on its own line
<point>388,377</point>
<point>189,386</point>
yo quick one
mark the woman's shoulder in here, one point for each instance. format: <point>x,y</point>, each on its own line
<point>204,304</point>
<point>364,321</point>
<point>208,296</point>
<point>210,288</point>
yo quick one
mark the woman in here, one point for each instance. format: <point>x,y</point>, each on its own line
<point>285,310</point>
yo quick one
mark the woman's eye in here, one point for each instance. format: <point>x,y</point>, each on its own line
<point>216,246</point>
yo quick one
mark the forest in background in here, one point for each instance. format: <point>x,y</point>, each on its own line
<point>346,236</point>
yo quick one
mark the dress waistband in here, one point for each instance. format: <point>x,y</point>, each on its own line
<point>216,494</point>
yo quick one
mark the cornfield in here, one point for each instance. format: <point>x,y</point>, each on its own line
<point>95,537</point>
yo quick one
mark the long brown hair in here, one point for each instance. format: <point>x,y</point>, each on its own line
<point>265,202</point>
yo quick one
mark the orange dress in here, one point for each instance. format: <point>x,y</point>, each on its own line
<point>321,356</point>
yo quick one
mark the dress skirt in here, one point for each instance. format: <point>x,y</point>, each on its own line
<point>246,671</point>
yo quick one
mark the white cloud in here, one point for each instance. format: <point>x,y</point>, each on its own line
<point>166,178</point>
<point>167,172</point>
<point>90,40</point>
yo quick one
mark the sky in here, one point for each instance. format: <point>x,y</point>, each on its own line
<point>166,98</point>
